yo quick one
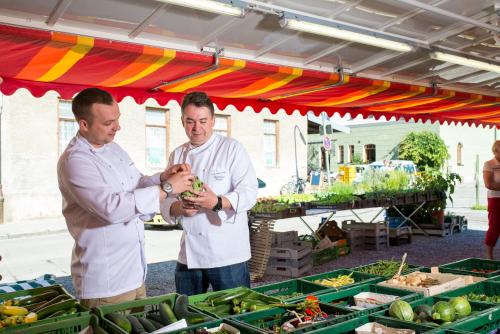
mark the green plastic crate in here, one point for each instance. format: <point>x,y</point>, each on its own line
<point>81,310</point>
<point>60,325</point>
<point>411,268</point>
<point>349,326</point>
<point>213,324</point>
<point>197,299</point>
<point>290,290</point>
<point>137,308</point>
<point>477,309</point>
<point>466,266</point>
<point>482,324</point>
<point>487,288</point>
<point>261,320</point>
<point>359,278</point>
<point>345,298</point>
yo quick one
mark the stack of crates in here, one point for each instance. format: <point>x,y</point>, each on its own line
<point>373,235</point>
<point>347,174</point>
<point>289,257</point>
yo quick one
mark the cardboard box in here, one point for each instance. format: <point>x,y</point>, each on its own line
<point>373,327</point>
<point>447,282</point>
<point>371,299</point>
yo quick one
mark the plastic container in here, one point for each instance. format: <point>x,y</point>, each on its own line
<point>477,309</point>
<point>290,290</point>
<point>210,326</point>
<point>488,288</point>
<point>359,278</point>
<point>411,268</point>
<point>80,318</point>
<point>346,298</point>
<point>472,266</point>
<point>483,323</point>
<point>138,308</point>
<point>196,302</point>
<point>267,319</point>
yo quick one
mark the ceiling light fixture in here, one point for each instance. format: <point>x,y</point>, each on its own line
<point>480,65</point>
<point>329,31</point>
<point>209,6</point>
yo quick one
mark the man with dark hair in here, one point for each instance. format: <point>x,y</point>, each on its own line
<point>105,201</point>
<point>215,243</point>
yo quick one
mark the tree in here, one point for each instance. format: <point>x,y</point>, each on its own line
<point>426,149</point>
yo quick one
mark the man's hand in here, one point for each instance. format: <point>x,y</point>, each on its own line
<point>174,169</point>
<point>181,208</point>
<point>181,181</point>
<point>205,199</point>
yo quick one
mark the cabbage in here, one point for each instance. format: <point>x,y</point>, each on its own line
<point>443,311</point>
<point>197,185</point>
<point>462,307</point>
<point>401,310</point>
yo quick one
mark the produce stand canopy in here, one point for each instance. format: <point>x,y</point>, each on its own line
<point>41,61</point>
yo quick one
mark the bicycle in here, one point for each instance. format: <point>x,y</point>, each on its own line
<point>295,186</point>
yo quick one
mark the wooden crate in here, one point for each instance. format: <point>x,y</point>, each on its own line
<point>260,242</point>
<point>396,235</point>
<point>294,250</point>
<point>374,235</point>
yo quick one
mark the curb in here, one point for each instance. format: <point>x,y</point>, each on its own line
<point>31,234</point>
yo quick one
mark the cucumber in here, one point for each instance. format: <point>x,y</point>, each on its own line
<point>196,318</point>
<point>99,330</point>
<point>155,323</point>
<point>45,296</point>
<point>120,320</point>
<point>137,327</point>
<point>148,326</point>
<point>181,311</point>
<point>62,305</point>
<point>155,318</point>
<point>167,316</point>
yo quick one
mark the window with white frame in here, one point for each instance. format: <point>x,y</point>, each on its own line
<point>156,137</point>
<point>68,126</point>
<point>223,125</point>
<point>370,153</point>
<point>271,132</point>
<point>351,154</point>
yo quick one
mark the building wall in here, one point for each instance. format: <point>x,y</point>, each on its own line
<point>30,148</point>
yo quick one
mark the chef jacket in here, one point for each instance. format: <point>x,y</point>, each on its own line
<point>216,239</point>
<point>105,201</point>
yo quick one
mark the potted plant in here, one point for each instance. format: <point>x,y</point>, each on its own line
<point>443,186</point>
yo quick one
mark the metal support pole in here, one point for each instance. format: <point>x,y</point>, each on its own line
<point>476,179</point>
<point>1,192</point>
<point>327,152</point>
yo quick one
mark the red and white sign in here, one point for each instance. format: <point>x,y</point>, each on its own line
<point>327,143</point>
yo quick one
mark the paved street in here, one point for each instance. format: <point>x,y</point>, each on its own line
<point>27,255</point>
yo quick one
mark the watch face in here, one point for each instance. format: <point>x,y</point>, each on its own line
<point>167,187</point>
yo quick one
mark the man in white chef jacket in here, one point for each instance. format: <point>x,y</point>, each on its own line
<point>215,243</point>
<point>105,201</point>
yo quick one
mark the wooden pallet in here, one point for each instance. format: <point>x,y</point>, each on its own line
<point>261,237</point>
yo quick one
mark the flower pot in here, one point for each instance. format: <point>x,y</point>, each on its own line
<point>437,217</point>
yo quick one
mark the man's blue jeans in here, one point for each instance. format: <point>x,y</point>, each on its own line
<point>196,281</point>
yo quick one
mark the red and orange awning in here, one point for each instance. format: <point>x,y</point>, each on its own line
<point>42,60</point>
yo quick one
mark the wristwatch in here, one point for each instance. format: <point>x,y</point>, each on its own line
<point>218,206</point>
<point>167,187</point>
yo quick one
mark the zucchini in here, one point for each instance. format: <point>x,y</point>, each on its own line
<point>45,296</point>
<point>13,310</point>
<point>181,311</point>
<point>99,330</point>
<point>56,314</point>
<point>238,293</point>
<point>62,305</point>
<point>120,320</point>
<point>148,326</point>
<point>167,316</point>
<point>137,327</point>
<point>155,317</point>
<point>214,295</point>
<point>155,323</point>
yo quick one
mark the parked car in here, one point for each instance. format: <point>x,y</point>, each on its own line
<point>404,165</point>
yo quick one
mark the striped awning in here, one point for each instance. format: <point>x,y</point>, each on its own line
<point>45,60</point>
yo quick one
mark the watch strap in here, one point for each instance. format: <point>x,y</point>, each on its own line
<point>218,206</point>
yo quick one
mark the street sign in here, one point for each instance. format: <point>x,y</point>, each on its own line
<point>327,143</point>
